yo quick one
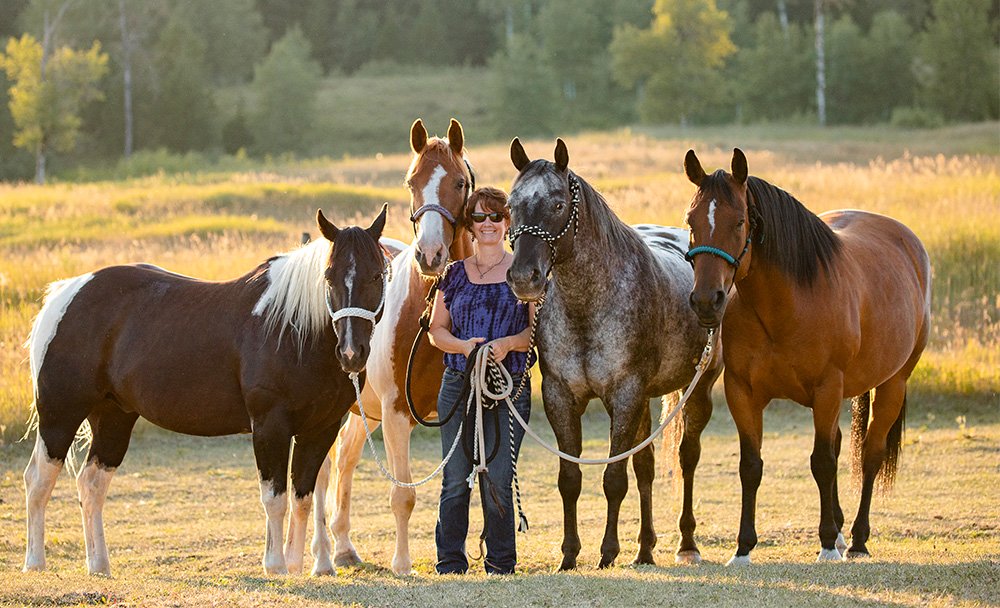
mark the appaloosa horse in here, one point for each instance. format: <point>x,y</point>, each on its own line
<point>615,325</point>
<point>439,180</point>
<point>826,307</point>
<point>267,353</point>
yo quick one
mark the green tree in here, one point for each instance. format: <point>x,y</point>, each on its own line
<point>525,98</point>
<point>48,93</point>
<point>959,74</point>
<point>890,50</point>
<point>775,74</point>
<point>233,34</point>
<point>285,84</point>
<point>676,64</point>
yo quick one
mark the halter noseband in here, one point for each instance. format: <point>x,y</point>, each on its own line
<point>543,234</point>
<point>363,313</point>
<point>734,262</point>
<point>443,211</point>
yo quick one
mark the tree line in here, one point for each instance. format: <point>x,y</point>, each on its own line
<point>100,79</point>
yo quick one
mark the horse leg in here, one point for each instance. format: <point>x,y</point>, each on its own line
<point>627,404</point>
<point>697,412</point>
<point>321,548</point>
<point>644,466</point>
<point>838,512</point>
<point>112,431</point>
<point>52,442</point>
<point>886,415</point>
<point>563,412</point>
<point>748,416</point>
<point>350,443</point>
<point>272,438</point>
<point>826,417</point>
<point>396,428</point>
<point>307,459</point>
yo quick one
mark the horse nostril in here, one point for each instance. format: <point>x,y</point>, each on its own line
<point>535,275</point>
<point>719,300</point>
<point>691,302</point>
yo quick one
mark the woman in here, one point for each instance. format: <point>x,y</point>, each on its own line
<point>475,306</point>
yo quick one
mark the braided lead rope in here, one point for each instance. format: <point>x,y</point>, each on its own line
<point>700,368</point>
<point>378,460</point>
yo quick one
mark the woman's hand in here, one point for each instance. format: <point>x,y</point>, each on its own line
<point>499,349</point>
<point>471,343</point>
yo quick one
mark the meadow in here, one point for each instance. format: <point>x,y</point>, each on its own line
<point>183,520</point>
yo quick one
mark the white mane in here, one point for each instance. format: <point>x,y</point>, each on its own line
<point>295,297</point>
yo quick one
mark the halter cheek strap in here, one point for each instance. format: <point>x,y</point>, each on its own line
<point>363,313</point>
<point>443,211</point>
<point>543,234</point>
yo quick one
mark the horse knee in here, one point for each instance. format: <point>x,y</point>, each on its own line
<point>615,483</point>
<point>570,478</point>
<point>402,500</point>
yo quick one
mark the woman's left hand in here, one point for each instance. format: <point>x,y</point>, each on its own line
<point>499,349</point>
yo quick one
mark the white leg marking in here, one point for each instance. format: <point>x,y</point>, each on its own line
<point>711,217</point>
<point>841,543</point>
<point>350,443</point>
<point>275,506</point>
<point>39,478</point>
<point>321,547</point>
<point>396,434</point>
<point>295,546</point>
<point>739,560</point>
<point>57,300</point>
<point>92,484</point>
<point>829,555</point>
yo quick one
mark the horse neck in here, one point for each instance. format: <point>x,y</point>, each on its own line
<point>461,245</point>
<point>768,292</point>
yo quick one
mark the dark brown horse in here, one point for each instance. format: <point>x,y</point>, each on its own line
<point>257,354</point>
<point>826,307</point>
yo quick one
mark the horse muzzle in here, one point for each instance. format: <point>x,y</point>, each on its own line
<point>527,282</point>
<point>708,306</point>
<point>353,359</point>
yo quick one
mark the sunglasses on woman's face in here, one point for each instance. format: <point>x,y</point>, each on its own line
<point>495,216</point>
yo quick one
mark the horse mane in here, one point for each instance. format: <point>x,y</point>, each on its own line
<point>786,235</point>
<point>609,230</point>
<point>295,296</point>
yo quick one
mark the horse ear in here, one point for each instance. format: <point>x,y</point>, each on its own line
<point>456,137</point>
<point>517,154</point>
<point>562,155</point>
<point>692,166</point>
<point>739,166</point>
<point>418,136</point>
<point>326,227</point>
<point>375,230</point>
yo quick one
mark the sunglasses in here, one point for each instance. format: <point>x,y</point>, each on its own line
<point>495,216</point>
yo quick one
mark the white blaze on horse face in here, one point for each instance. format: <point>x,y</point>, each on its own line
<point>57,300</point>
<point>349,277</point>
<point>711,217</point>
<point>431,225</point>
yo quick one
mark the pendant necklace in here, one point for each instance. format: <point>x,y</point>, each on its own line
<point>483,273</point>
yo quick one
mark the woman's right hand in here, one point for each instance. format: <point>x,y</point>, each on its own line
<point>471,343</point>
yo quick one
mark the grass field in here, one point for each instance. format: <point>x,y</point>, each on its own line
<point>183,518</point>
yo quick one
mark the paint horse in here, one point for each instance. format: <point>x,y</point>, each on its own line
<point>826,307</point>
<point>615,325</point>
<point>439,180</point>
<point>258,354</point>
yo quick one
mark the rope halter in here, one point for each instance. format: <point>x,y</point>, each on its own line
<point>548,238</point>
<point>363,313</point>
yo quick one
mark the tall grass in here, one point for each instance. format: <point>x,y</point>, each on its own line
<point>217,224</point>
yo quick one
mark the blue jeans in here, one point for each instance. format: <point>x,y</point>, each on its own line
<point>453,510</point>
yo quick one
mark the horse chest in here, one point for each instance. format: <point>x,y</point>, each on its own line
<point>585,352</point>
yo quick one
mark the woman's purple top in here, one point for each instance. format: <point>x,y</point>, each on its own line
<point>488,310</point>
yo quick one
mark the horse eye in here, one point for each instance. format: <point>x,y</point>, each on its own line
<point>559,206</point>
<point>740,223</point>
<point>461,184</point>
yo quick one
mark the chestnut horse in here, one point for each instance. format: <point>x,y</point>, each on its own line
<point>267,353</point>
<point>615,325</point>
<point>439,180</point>
<point>826,307</point>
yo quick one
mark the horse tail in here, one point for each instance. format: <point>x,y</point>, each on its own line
<point>670,447</point>
<point>893,445</point>
<point>861,407</point>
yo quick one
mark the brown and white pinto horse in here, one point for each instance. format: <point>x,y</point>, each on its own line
<point>826,307</point>
<point>267,353</point>
<point>439,180</point>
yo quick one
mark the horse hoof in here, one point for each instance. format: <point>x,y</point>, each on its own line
<point>841,543</point>
<point>405,570</point>
<point>275,570</point>
<point>690,556</point>
<point>326,570</point>
<point>568,563</point>
<point>829,555</point>
<point>739,560</point>
<point>347,558</point>
<point>606,562</point>
<point>858,554</point>
<point>644,559</point>
<point>295,568</point>
<point>34,567</point>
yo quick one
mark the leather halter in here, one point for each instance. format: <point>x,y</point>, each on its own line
<point>543,234</point>
<point>443,211</point>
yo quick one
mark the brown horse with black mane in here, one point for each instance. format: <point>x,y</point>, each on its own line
<point>826,307</point>
<point>267,353</point>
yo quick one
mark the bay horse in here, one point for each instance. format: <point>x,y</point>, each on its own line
<point>826,307</point>
<point>439,180</point>
<point>615,325</point>
<point>267,353</point>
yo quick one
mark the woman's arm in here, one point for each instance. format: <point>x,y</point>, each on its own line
<point>519,342</point>
<point>440,330</point>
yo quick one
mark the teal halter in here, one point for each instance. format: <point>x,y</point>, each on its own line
<point>734,262</point>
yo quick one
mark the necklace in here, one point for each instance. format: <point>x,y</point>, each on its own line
<point>483,273</point>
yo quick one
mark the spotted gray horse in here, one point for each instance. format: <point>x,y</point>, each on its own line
<point>615,325</point>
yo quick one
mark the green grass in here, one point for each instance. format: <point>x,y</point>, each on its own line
<point>185,528</point>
